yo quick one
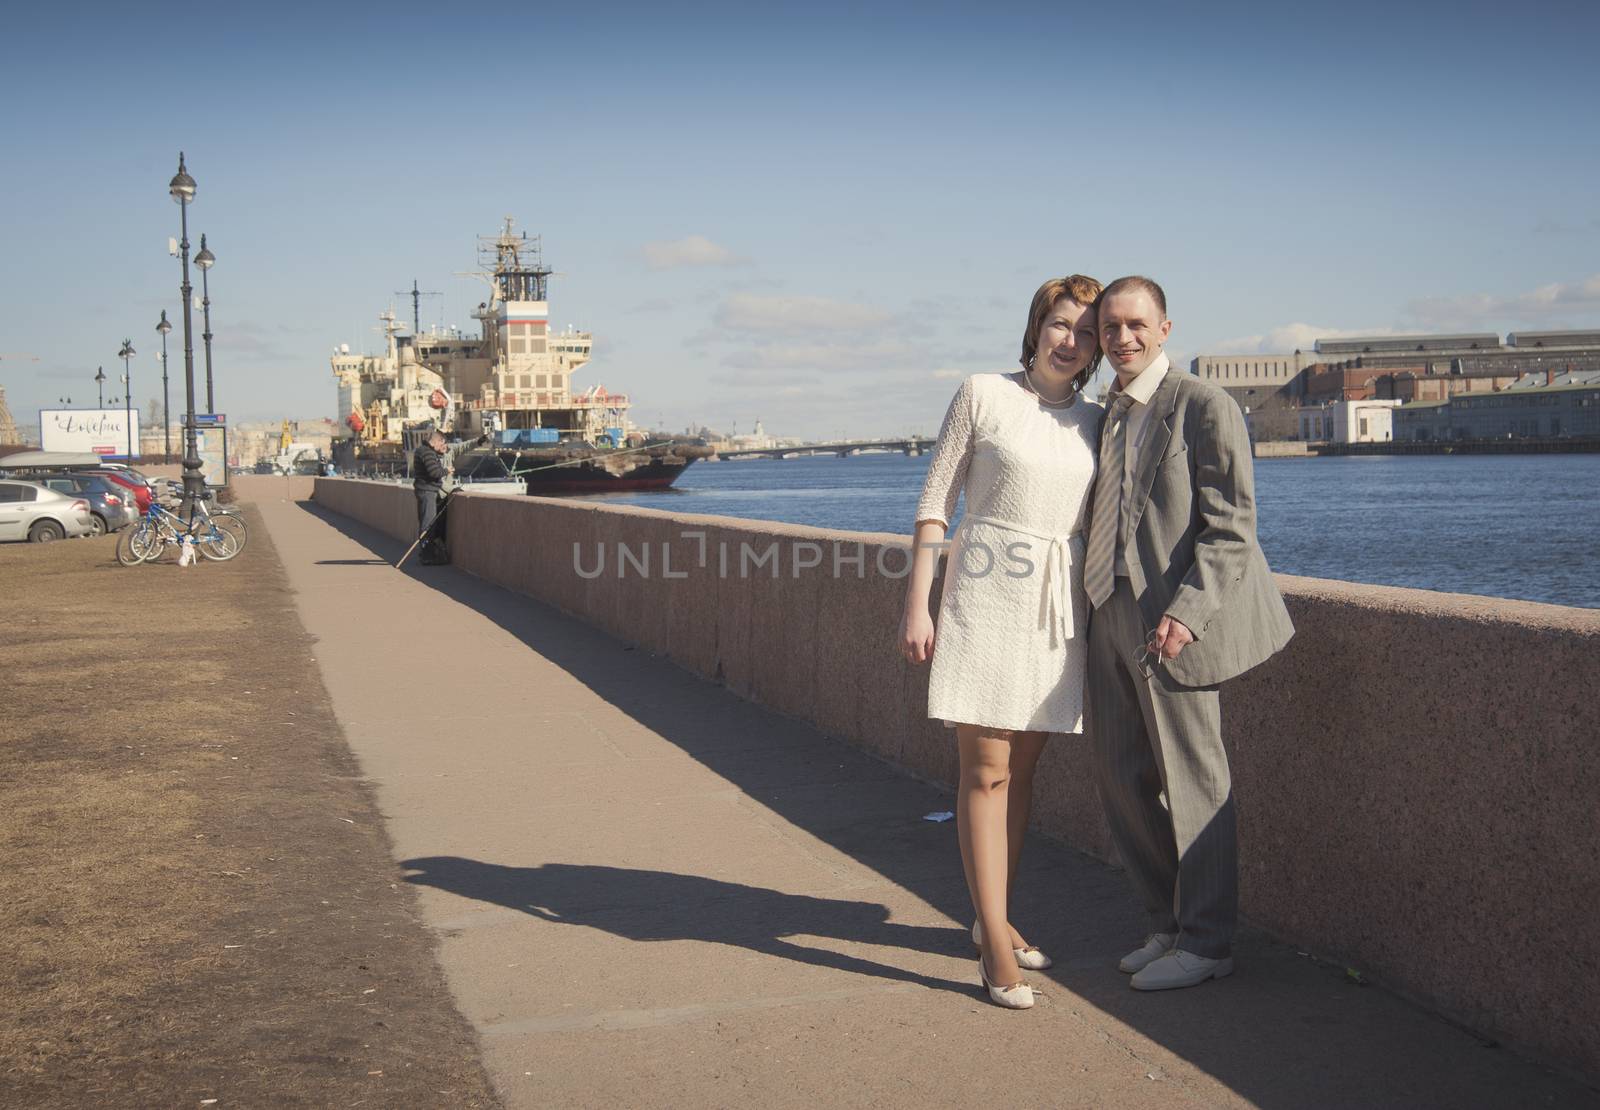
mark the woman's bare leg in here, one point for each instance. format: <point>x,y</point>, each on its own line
<point>1025,750</point>
<point>981,802</point>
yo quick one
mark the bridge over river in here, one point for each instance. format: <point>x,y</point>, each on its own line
<point>914,445</point>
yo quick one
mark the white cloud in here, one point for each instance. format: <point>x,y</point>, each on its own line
<point>1558,303</point>
<point>1286,338</point>
<point>1554,305</point>
<point>796,315</point>
<point>691,250</point>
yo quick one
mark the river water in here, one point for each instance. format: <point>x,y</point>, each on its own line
<point>1519,526</point>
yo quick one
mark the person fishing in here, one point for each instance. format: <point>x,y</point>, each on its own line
<point>429,468</point>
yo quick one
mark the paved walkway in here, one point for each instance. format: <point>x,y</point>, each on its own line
<point>650,893</point>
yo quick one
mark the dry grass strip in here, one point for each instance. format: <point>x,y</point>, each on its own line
<point>197,897</point>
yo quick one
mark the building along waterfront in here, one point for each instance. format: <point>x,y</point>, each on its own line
<point>1293,397</point>
<point>1365,421</point>
<point>1564,410</point>
<point>1468,355</point>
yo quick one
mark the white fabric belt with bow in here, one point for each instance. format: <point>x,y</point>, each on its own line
<point>1055,598</point>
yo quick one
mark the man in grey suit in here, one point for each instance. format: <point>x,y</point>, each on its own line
<point>1183,601</point>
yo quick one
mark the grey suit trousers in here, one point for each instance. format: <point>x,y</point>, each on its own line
<point>1154,736</point>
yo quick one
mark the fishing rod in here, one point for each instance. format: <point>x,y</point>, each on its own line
<point>444,506</point>
<point>510,473</point>
<point>444,503</point>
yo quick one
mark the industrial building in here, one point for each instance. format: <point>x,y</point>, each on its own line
<point>1568,408</point>
<point>1364,421</point>
<point>1268,389</point>
<point>1290,396</point>
<point>1472,354</point>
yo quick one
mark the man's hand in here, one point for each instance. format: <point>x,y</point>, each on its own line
<point>1171,637</point>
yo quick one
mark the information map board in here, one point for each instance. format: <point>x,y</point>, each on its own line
<point>211,442</point>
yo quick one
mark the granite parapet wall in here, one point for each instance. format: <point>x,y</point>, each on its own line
<point>1415,774</point>
<point>389,507</point>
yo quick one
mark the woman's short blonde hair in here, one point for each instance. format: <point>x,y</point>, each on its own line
<point>1075,287</point>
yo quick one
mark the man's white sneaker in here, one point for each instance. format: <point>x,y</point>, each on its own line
<point>1156,945</point>
<point>1181,969</point>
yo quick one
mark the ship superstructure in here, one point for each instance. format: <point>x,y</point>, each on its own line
<point>522,379</point>
<point>506,394</point>
<point>380,395</point>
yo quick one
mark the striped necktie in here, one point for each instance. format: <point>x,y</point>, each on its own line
<point>1106,525</point>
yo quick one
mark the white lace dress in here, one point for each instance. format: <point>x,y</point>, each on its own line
<point>1011,642</point>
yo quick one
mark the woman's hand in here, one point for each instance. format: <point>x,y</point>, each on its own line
<point>916,625</point>
<point>916,636</point>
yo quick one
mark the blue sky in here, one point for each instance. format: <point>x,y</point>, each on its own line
<point>815,215</point>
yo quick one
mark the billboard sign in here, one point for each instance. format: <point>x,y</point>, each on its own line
<point>97,431</point>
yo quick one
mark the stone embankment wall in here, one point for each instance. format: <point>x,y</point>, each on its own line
<point>1280,449</point>
<point>1416,774</point>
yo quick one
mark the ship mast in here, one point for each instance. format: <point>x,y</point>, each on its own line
<point>515,279</point>
<point>416,296</point>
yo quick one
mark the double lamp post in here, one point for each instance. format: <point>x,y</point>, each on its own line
<point>182,190</point>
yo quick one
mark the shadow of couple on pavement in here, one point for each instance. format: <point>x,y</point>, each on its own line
<point>658,906</point>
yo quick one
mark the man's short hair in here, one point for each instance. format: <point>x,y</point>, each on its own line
<point>1135,283</point>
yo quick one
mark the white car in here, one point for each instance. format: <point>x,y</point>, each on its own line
<point>32,512</point>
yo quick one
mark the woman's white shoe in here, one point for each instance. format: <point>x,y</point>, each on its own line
<point>1018,996</point>
<point>1029,958</point>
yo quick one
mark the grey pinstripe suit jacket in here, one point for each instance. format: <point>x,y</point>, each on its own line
<point>1190,543</point>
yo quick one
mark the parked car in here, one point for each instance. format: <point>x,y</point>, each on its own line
<point>29,511</point>
<point>124,468</point>
<point>142,494</point>
<point>111,505</point>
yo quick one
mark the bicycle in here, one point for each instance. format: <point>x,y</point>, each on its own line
<point>227,517</point>
<point>160,528</point>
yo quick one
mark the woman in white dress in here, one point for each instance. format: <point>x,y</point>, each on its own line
<point>1011,643</point>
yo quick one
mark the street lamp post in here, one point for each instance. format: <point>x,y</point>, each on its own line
<point>100,380</point>
<point>205,260</point>
<point>166,418</point>
<point>182,190</point>
<point>126,355</point>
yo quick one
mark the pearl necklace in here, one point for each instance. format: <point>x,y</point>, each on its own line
<point>1027,379</point>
